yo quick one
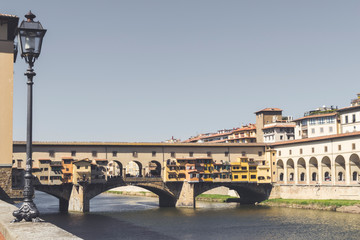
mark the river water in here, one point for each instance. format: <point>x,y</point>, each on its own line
<point>127,217</point>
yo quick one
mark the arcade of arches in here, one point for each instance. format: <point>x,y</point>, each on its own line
<point>134,169</point>
<point>331,170</point>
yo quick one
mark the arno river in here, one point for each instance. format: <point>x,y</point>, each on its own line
<point>124,217</point>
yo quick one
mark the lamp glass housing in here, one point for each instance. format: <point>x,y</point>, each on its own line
<point>30,36</point>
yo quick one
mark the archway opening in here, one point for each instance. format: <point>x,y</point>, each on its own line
<point>313,167</point>
<point>355,176</point>
<point>280,170</point>
<point>354,167</point>
<point>314,177</point>
<point>301,165</point>
<point>340,168</point>
<point>290,169</point>
<point>114,169</point>
<point>326,169</point>
<point>134,169</point>
<point>154,169</point>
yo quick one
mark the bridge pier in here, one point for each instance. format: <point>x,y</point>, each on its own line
<point>63,205</point>
<point>79,201</point>
<point>187,196</point>
<point>166,201</point>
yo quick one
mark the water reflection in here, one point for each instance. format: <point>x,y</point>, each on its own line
<point>124,217</point>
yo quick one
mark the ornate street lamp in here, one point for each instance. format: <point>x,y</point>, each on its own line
<point>30,36</point>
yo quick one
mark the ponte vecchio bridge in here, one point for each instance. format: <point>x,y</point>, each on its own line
<point>176,172</point>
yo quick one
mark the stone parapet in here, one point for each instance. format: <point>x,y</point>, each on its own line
<point>28,230</point>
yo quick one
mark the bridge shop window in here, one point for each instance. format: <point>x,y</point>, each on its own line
<point>153,153</point>
<point>73,153</point>
<point>114,153</point>
<point>208,154</point>
<point>172,154</point>
<point>260,153</point>
<point>94,153</point>
<point>135,153</point>
<point>51,153</point>
<point>191,154</point>
<point>226,154</point>
<point>339,147</point>
<point>353,146</point>
<point>325,149</point>
<point>301,151</point>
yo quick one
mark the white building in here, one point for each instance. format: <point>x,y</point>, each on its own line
<point>277,132</point>
<point>326,160</point>
<point>316,125</point>
<point>350,116</point>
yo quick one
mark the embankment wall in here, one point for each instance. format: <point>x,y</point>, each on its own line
<point>315,192</point>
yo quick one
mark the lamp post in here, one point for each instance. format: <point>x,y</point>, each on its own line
<point>30,35</point>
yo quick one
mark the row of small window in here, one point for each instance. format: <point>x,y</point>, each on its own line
<point>331,129</point>
<point>353,146</point>
<point>244,176</point>
<point>321,120</point>
<point>153,154</point>
<point>51,178</point>
<point>353,118</point>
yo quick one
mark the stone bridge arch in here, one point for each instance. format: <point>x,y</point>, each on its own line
<point>249,193</point>
<point>61,192</point>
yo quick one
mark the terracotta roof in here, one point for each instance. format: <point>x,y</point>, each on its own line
<point>126,144</point>
<point>68,158</point>
<point>280,126</point>
<point>317,116</point>
<point>43,159</point>
<point>348,108</point>
<point>270,110</point>
<point>8,15</point>
<point>252,127</point>
<point>317,138</point>
<point>208,136</point>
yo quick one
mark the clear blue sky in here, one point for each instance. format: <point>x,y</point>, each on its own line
<point>146,70</point>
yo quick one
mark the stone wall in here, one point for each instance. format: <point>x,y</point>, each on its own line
<point>315,192</point>
<point>6,191</point>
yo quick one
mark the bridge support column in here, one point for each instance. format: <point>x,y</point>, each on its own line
<point>63,205</point>
<point>79,202</point>
<point>187,195</point>
<point>166,201</point>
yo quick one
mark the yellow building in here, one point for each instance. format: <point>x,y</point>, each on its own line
<point>8,25</point>
<point>244,170</point>
<point>82,171</point>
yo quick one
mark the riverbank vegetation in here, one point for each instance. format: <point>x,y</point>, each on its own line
<point>215,198</point>
<point>348,206</point>
<point>325,203</point>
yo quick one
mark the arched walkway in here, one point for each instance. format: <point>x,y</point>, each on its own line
<point>340,169</point>
<point>313,170</point>
<point>154,169</point>
<point>326,170</point>
<point>354,168</point>
<point>280,170</point>
<point>301,166</point>
<point>290,170</point>
<point>134,169</point>
<point>114,169</point>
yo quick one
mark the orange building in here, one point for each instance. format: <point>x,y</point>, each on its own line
<point>67,163</point>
